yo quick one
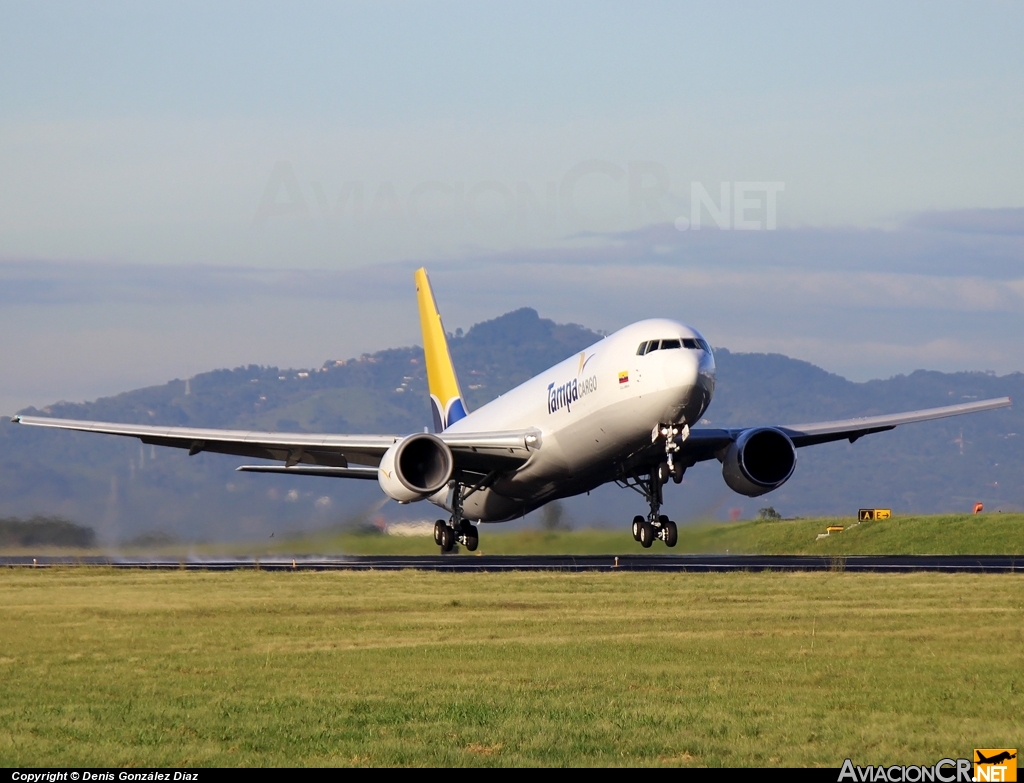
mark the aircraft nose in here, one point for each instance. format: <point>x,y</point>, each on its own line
<point>706,366</point>
<point>706,376</point>
<point>682,368</point>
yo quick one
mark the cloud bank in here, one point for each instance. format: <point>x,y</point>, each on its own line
<point>940,291</point>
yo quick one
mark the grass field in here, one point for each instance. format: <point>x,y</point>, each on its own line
<point>960,534</point>
<point>256,668</point>
<point>951,534</point>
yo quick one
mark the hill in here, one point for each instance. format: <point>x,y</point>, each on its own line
<point>124,490</point>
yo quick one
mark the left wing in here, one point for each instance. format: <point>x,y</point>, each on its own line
<point>705,444</point>
<point>852,429</point>
<point>343,456</point>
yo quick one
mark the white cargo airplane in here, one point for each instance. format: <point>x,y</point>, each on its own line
<point>618,411</point>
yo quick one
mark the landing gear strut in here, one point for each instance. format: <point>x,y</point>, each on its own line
<point>656,525</point>
<point>458,530</point>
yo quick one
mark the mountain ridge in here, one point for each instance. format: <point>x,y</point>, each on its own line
<point>124,489</point>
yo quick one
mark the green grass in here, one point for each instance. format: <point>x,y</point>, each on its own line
<point>995,534</point>
<point>951,534</point>
<point>954,534</point>
<point>258,668</point>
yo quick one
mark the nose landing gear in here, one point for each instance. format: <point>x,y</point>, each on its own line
<point>670,468</point>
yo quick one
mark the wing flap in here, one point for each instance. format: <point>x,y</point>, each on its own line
<point>304,470</point>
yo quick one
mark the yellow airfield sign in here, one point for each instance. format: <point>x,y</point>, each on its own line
<point>868,514</point>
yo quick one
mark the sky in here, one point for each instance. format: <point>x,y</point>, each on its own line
<point>187,186</point>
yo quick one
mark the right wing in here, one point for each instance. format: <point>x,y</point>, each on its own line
<point>343,456</point>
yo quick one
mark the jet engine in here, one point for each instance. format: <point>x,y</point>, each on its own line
<point>758,461</point>
<point>415,468</point>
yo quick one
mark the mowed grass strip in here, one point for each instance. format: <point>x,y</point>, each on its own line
<point>952,534</point>
<point>370,668</point>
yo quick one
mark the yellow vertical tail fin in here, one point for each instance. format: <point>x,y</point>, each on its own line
<point>446,401</point>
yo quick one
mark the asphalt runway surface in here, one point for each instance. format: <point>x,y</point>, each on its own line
<point>468,562</point>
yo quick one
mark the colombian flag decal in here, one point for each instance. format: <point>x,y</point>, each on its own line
<point>624,376</point>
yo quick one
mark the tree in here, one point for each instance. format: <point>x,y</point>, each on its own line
<point>552,517</point>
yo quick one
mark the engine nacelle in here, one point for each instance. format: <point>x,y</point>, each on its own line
<point>759,461</point>
<point>415,468</point>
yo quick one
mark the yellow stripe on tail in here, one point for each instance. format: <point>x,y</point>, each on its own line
<point>446,401</point>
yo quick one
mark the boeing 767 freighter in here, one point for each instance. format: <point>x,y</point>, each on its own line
<point>620,411</point>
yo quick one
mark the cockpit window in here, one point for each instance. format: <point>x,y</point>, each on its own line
<point>696,344</point>
<point>693,343</point>
<point>664,345</point>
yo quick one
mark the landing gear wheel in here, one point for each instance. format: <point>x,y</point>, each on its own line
<point>439,527</point>
<point>677,473</point>
<point>664,472</point>
<point>447,539</point>
<point>671,533</point>
<point>637,522</point>
<point>646,535</point>
<point>472,536</point>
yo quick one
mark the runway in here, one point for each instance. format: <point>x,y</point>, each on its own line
<point>569,563</point>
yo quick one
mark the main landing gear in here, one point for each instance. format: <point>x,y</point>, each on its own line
<point>457,531</point>
<point>657,526</point>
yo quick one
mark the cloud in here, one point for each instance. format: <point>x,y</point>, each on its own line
<point>1007,222</point>
<point>904,249</point>
<point>916,264</point>
<point>861,303</point>
<point>46,282</point>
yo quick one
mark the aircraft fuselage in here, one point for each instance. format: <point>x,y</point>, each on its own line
<point>593,410</point>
